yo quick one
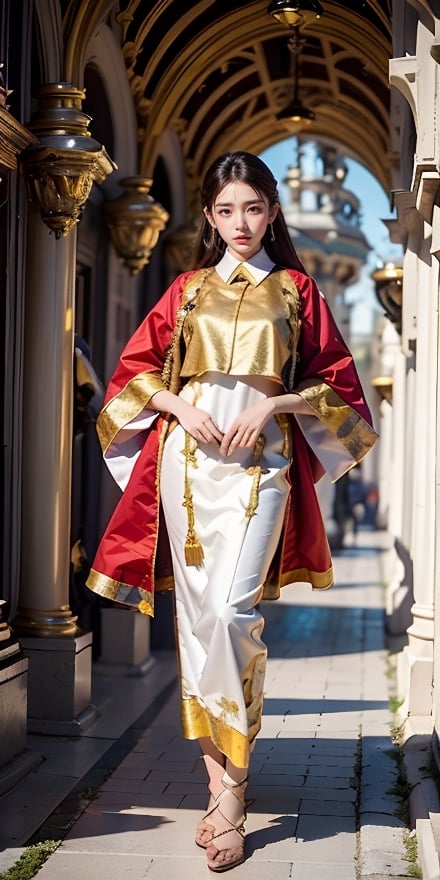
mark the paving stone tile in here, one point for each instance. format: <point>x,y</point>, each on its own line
<point>329,849</point>
<point>350,721</point>
<point>64,865</point>
<point>140,804</point>
<point>383,838</point>
<point>308,807</point>
<point>317,760</point>
<point>389,864</point>
<point>380,819</point>
<point>326,794</point>
<point>327,770</point>
<point>334,748</point>
<point>317,827</point>
<point>186,788</point>
<point>164,775</point>
<point>288,767</point>
<point>340,734</point>
<point>133,760</point>
<point>278,779</point>
<point>9,857</point>
<point>195,869</point>
<point>337,782</point>
<point>153,831</point>
<point>378,802</point>
<point>300,722</point>
<point>295,734</point>
<point>198,802</point>
<point>116,783</point>
<point>271,837</point>
<point>318,871</point>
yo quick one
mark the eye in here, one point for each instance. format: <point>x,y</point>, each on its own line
<point>224,212</point>
<point>255,209</point>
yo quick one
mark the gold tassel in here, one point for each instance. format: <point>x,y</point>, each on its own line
<point>193,549</point>
<point>283,423</point>
<point>255,470</point>
<point>254,496</point>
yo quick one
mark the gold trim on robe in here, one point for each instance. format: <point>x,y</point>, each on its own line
<point>198,722</point>
<point>347,425</point>
<point>117,591</point>
<point>126,405</point>
<point>319,580</point>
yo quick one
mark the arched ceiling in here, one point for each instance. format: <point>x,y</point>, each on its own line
<point>219,72</point>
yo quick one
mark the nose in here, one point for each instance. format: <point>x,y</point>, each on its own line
<point>241,222</point>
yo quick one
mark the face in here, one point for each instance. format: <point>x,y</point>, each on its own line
<point>241,216</point>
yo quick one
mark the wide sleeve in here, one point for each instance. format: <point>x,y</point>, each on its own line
<point>127,415</point>
<point>339,429</point>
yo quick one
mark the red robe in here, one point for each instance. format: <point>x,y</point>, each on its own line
<point>133,558</point>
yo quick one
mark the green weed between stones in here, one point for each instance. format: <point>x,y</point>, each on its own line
<point>412,854</point>
<point>30,861</point>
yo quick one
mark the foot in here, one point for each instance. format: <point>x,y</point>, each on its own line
<point>205,829</point>
<point>225,850</point>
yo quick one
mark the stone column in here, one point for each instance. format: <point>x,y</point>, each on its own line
<point>15,760</point>
<point>416,77</point>
<point>416,663</point>
<point>60,170</point>
<point>59,656</point>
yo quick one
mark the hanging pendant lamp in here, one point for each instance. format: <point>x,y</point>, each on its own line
<point>295,12</point>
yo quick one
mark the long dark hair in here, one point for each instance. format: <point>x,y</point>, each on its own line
<point>247,168</point>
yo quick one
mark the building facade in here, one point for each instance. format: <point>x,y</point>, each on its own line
<point>110,113</point>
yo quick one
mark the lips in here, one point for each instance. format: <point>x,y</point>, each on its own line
<point>242,239</point>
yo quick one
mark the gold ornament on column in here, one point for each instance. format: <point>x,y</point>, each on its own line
<point>134,221</point>
<point>61,168</point>
<point>388,287</point>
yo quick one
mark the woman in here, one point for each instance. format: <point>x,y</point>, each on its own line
<point>228,403</point>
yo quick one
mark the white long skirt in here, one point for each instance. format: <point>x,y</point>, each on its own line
<point>222,658</point>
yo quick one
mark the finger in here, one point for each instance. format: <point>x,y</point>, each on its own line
<point>214,430</point>
<point>224,446</point>
<point>210,433</point>
<point>229,446</point>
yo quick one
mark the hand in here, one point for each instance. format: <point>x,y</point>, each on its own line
<point>247,427</point>
<point>199,424</point>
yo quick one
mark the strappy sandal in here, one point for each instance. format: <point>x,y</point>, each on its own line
<point>204,830</point>
<point>229,812</point>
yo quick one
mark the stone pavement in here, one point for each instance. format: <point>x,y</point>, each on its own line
<point>324,776</point>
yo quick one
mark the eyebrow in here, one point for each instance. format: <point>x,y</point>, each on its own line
<point>228,204</point>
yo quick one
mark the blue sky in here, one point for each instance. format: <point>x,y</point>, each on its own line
<point>374,206</point>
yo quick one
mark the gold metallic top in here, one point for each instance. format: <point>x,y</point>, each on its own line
<point>241,328</point>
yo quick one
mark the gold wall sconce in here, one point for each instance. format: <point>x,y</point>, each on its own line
<point>388,283</point>
<point>62,166</point>
<point>384,387</point>
<point>134,222</point>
